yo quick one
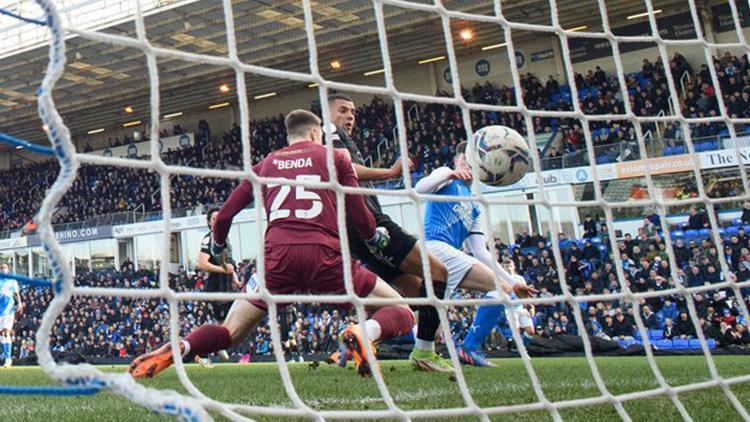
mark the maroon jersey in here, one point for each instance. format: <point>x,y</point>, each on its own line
<point>297,214</point>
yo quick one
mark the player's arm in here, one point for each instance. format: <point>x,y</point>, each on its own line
<point>205,265</point>
<point>439,178</point>
<point>240,198</point>
<point>478,246</point>
<point>369,173</point>
<point>360,215</point>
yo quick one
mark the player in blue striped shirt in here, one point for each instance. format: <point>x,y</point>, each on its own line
<point>448,225</point>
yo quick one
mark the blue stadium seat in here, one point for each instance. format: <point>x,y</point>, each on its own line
<point>691,234</point>
<point>596,240</point>
<point>732,230</point>
<point>637,335</point>
<point>655,334</point>
<point>747,229</point>
<point>678,234</point>
<point>666,151</point>
<point>694,343</point>
<point>680,343</point>
<point>736,222</point>
<point>704,232</point>
<point>663,344</point>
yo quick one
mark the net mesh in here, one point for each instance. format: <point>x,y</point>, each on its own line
<point>197,406</point>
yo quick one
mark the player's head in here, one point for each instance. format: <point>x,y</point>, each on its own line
<point>211,216</point>
<point>301,125</point>
<point>341,111</point>
<point>4,268</point>
<point>459,161</point>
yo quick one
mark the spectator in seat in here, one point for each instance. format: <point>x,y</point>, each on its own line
<point>591,253</point>
<point>565,327</point>
<point>523,239</point>
<point>745,218</point>
<point>609,327</point>
<point>589,227</point>
<point>684,327</point>
<point>669,310</point>
<point>649,318</point>
<point>697,220</point>
<point>741,335</point>
<point>727,334</point>
<point>623,328</point>
<point>669,329</point>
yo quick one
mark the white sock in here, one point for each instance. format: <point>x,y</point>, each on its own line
<point>185,347</point>
<point>373,330</point>
<point>424,345</point>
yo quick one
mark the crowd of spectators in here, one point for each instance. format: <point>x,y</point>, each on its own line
<point>123,327</point>
<point>433,131</point>
<point>589,268</point>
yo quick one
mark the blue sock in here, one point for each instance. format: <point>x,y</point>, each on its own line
<point>484,322</point>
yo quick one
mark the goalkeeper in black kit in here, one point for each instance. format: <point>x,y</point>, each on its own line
<point>221,278</point>
<point>400,263</point>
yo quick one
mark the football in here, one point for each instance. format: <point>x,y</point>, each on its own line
<point>499,154</point>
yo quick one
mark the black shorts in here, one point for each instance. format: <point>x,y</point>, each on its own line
<point>219,283</point>
<point>386,264</point>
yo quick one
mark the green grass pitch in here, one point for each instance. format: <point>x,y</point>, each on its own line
<point>334,388</point>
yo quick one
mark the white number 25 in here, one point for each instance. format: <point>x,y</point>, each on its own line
<point>300,194</point>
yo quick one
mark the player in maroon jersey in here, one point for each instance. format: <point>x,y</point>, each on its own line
<point>302,250</point>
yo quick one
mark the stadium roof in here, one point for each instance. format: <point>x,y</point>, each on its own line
<point>102,79</point>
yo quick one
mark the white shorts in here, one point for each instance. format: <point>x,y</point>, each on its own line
<point>456,262</point>
<point>6,322</point>
<point>523,319</point>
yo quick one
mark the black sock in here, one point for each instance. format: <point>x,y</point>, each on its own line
<point>429,319</point>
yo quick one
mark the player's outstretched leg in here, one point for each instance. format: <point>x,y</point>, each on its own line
<point>386,322</point>
<point>203,340</point>
<point>423,356</point>
<point>470,351</point>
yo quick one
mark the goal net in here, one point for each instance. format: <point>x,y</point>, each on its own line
<point>591,122</point>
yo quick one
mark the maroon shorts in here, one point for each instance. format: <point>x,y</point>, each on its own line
<point>311,269</point>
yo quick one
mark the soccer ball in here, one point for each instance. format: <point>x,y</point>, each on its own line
<point>499,154</point>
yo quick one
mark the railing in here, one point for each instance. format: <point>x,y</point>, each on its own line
<point>412,110</point>
<point>683,85</point>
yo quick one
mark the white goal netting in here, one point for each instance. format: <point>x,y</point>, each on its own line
<point>198,405</point>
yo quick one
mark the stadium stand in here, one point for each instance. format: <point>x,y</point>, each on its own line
<point>127,327</point>
<point>432,137</point>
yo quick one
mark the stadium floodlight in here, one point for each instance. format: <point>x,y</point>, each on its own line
<point>262,96</point>
<point>644,14</point>
<point>215,106</point>
<point>133,123</point>
<point>494,46</point>
<point>95,131</point>
<point>128,109</point>
<point>467,34</point>
<point>374,72</point>
<point>224,88</point>
<point>577,28</point>
<point>171,115</point>
<point>431,60</point>
<point>336,64</point>
<point>312,85</point>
